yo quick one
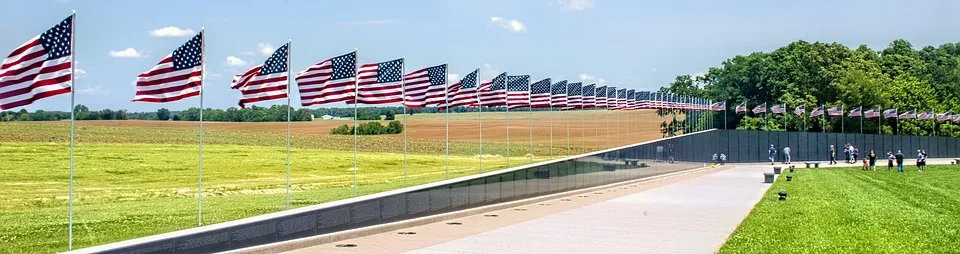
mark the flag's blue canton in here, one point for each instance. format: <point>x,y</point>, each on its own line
<point>437,75</point>
<point>468,81</point>
<point>188,55</point>
<point>611,92</point>
<point>541,87</point>
<point>589,90</point>
<point>643,95</point>
<point>344,66</point>
<point>559,88</point>
<point>277,63</point>
<point>601,91</point>
<point>56,41</point>
<point>499,82</point>
<point>518,83</point>
<point>389,72</point>
<point>621,94</point>
<point>631,94</point>
<point>574,88</point>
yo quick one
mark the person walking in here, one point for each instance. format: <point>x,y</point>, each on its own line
<point>873,160</point>
<point>853,153</point>
<point>773,153</point>
<point>833,154</point>
<point>786,155</point>
<point>899,157</point>
<point>890,159</point>
<point>924,165</point>
<point>846,153</point>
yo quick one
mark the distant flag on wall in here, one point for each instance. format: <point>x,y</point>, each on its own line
<point>873,113</point>
<point>380,83</point>
<point>742,108</point>
<point>621,99</point>
<point>540,94</point>
<point>493,93</point>
<point>611,97</point>
<point>945,116</point>
<point>178,75</point>
<point>574,95</point>
<point>40,68</point>
<point>890,113</point>
<point>600,97</point>
<point>909,114</point>
<point>518,91</point>
<point>762,108</point>
<point>800,110</point>
<point>857,112</point>
<point>267,81</point>
<point>588,99</point>
<point>558,94</point>
<point>835,111</point>
<point>779,109</point>
<point>632,103</point>
<point>644,99</point>
<point>418,83</point>
<point>462,93</point>
<point>329,81</point>
<point>817,112</point>
<point>925,115</point>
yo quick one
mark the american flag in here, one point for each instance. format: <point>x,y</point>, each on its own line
<point>493,93</point>
<point>600,97</point>
<point>956,118</point>
<point>643,99</point>
<point>462,93</point>
<point>817,112</point>
<point>574,95</point>
<point>588,100</point>
<point>779,109</point>
<point>857,112</point>
<point>518,91</point>
<point>945,116</point>
<point>621,98</point>
<point>380,83</point>
<point>742,108</point>
<point>800,110</point>
<point>835,111</point>
<point>558,95</point>
<point>762,108</point>
<point>417,84</point>
<point>176,77</point>
<point>267,81</point>
<point>718,106</point>
<point>435,93</point>
<point>909,115</point>
<point>611,97</point>
<point>40,68</point>
<point>632,100</point>
<point>332,80</point>
<point>872,113</point>
<point>925,115</point>
<point>540,94</point>
<point>890,113</point>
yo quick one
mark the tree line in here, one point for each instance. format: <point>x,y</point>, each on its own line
<point>814,74</point>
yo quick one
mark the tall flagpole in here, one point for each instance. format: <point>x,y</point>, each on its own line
<point>861,118</point>
<point>356,124</point>
<point>506,92</point>
<point>289,77</point>
<point>403,94</point>
<point>446,115</point>
<point>550,115</point>
<point>583,128</point>
<point>530,111</point>
<point>203,47</point>
<point>73,68</point>
<point>480,117</point>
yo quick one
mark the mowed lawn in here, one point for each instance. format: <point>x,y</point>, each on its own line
<point>854,211</point>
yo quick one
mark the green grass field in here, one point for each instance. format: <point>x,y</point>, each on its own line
<point>136,181</point>
<point>854,211</point>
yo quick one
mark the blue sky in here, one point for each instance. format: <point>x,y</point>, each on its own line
<point>634,44</point>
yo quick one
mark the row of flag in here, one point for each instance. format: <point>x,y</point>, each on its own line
<point>42,67</point>
<point>838,111</point>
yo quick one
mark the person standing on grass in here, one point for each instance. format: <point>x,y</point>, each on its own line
<point>846,153</point>
<point>919,161</point>
<point>853,153</point>
<point>773,153</point>
<point>899,158</point>
<point>890,159</point>
<point>873,160</point>
<point>786,155</point>
<point>833,155</point>
<point>924,152</point>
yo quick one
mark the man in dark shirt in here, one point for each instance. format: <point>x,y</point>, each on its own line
<point>899,156</point>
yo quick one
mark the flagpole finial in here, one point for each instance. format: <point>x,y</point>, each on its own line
<point>74,11</point>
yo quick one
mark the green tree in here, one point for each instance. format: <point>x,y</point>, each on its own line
<point>163,114</point>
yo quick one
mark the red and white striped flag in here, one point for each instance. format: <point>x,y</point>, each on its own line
<point>268,81</point>
<point>540,94</point>
<point>462,93</point>
<point>493,93</point>
<point>380,83</point>
<point>418,83</point>
<point>518,91</point>
<point>178,76</point>
<point>332,80</point>
<point>40,68</point>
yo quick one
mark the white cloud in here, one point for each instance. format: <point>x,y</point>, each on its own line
<point>79,73</point>
<point>172,31</point>
<point>126,53</point>
<point>96,89</point>
<point>576,5</point>
<point>453,78</point>
<point>587,78</point>
<point>235,61</point>
<point>511,25</point>
<point>265,49</point>
<point>209,75</point>
<point>488,72</point>
<point>370,22</point>
<point>248,53</point>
